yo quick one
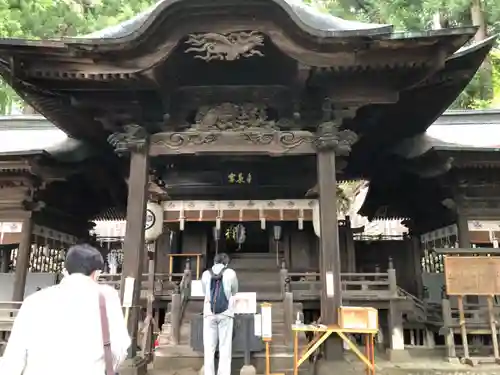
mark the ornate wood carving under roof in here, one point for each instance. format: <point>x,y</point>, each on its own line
<point>232,142</point>
<point>230,46</point>
<point>233,117</point>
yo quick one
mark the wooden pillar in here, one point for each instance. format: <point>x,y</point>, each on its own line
<point>5,261</point>
<point>330,142</point>
<point>329,242</point>
<point>23,259</point>
<point>416,256</point>
<point>396,350</point>
<point>136,143</point>
<point>163,251</point>
<point>151,319</point>
<point>350,247</point>
<point>463,236</point>
<point>463,230</point>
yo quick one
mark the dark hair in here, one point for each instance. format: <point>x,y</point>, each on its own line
<point>84,259</point>
<point>221,258</point>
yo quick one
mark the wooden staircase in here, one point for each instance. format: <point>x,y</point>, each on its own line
<point>256,273</point>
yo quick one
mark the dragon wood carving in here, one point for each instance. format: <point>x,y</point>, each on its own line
<point>228,47</point>
<point>233,117</point>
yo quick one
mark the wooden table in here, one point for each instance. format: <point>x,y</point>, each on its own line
<point>321,333</point>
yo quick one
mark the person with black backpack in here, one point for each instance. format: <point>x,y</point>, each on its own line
<point>220,284</point>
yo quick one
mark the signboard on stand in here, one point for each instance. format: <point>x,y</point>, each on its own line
<point>473,276</point>
<point>245,303</point>
<point>197,288</point>
<point>358,318</point>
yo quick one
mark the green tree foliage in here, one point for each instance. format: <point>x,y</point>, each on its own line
<point>417,15</point>
<point>52,19</point>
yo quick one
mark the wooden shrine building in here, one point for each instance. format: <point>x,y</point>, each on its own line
<point>237,110</point>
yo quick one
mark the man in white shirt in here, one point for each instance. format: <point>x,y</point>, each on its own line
<point>220,285</point>
<point>58,329</point>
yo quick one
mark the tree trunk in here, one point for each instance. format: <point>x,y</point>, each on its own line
<point>436,21</point>
<point>486,71</point>
<point>478,19</point>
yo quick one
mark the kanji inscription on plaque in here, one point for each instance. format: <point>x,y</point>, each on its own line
<point>479,275</point>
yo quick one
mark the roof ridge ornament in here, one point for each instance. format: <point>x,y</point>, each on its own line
<point>229,46</point>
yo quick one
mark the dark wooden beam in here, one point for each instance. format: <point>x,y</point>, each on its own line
<point>23,259</point>
<point>331,142</point>
<point>136,145</point>
<point>467,251</point>
<point>272,143</point>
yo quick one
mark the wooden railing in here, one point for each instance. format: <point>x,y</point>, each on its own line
<point>476,319</point>
<point>8,313</point>
<point>475,316</point>
<point>180,298</point>
<point>375,286</point>
<point>363,286</point>
<point>163,282</point>
<point>198,257</point>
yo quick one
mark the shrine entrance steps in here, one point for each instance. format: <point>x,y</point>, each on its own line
<point>257,272</point>
<point>422,321</point>
<point>173,357</point>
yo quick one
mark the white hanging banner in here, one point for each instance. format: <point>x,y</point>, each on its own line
<point>154,221</point>
<point>316,218</point>
<point>266,321</point>
<point>330,284</point>
<point>128,294</point>
<point>257,325</point>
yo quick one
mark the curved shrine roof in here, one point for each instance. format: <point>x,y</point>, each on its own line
<point>303,15</point>
<point>60,77</point>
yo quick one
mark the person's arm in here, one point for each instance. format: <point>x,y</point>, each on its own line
<point>15,354</point>
<point>118,332</point>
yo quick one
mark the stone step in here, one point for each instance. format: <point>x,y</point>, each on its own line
<point>173,359</point>
<point>260,268</point>
<point>249,276</point>
<point>260,288</point>
<point>255,262</point>
<point>253,256</point>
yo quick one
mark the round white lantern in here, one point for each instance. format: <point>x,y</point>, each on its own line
<point>154,221</point>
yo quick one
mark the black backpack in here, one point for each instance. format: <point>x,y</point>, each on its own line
<point>218,300</point>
